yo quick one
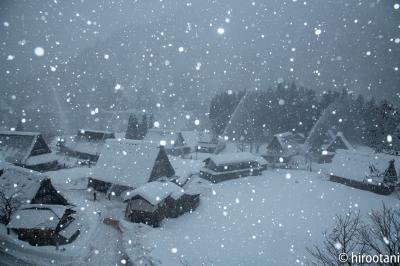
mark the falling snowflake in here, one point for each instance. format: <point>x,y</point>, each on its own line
<point>39,51</point>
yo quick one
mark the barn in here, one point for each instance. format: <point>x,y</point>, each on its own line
<point>26,149</point>
<point>155,201</point>
<point>43,225</point>
<point>173,142</point>
<point>128,164</point>
<point>86,145</point>
<point>225,166</point>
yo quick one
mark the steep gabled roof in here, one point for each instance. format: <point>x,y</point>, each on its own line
<point>127,162</point>
<point>21,182</point>
<point>339,141</point>
<point>16,147</point>
<point>288,142</point>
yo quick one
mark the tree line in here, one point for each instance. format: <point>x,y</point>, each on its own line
<point>255,116</point>
<point>137,128</point>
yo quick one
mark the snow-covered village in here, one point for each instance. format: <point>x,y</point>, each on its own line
<point>197,133</point>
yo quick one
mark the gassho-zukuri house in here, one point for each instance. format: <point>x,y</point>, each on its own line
<point>86,145</point>
<point>154,201</point>
<point>227,166</point>
<point>29,186</point>
<point>173,142</point>
<point>127,164</point>
<point>26,149</point>
<point>43,224</point>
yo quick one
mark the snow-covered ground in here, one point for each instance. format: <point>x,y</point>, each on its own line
<point>263,220</point>
<point>259,220</point>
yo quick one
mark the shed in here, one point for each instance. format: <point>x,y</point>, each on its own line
<point>128,164</point>
<point>227,166</point>
<point>41,224</point>
<point>26,149</point>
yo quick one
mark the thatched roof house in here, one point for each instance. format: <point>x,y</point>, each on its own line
<point>26,149</point>
<point>29,186</point>
<point>41,224</point>
<point>128,164</point>
<point>283,146</point>
<point>173,142</point>
<point>87,144</point>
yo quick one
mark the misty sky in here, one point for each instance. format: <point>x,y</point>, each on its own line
<point>319,44</point>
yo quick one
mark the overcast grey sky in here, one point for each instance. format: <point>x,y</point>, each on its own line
<point>318,44</point>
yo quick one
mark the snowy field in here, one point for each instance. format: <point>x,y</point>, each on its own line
<point>264,220</point>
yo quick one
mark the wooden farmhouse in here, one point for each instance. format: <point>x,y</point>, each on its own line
<point>26,149</point>
<point>173,142</point>
<point>128,164</point>
<point>86,145</point>
<point>41,224</point>
<point>225,166</point>
<point>155,201</point>
<point>283,147</point>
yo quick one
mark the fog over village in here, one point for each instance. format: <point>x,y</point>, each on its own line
<point>214,132</point>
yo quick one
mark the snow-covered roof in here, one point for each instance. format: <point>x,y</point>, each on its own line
<point>191,138</point>
<point>21,182</point>
<point>94,135</point>
<point>340,137</point>
<point>231,158</point>
<point>41,159</point>
<point>37,216</point>
<point>207,137</point>
<point>16,146</point>
<point>290,143</point>
<point>354,164</point>
<point>126,162</point>
<point>166,138</point>
<point>155,192</point>
<point>82,146</point>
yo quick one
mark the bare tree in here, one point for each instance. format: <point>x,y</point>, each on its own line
<point>344,238</point>
<point>8,205</point>
<point>382,235</point>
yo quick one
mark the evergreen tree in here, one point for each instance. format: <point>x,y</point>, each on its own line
<point>132,132</point>
<point>20,126</point>
<point>390,173</point>
<point>151,121</point>
<point>143,127</point>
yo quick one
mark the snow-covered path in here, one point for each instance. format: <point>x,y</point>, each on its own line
<point>107,247</point>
